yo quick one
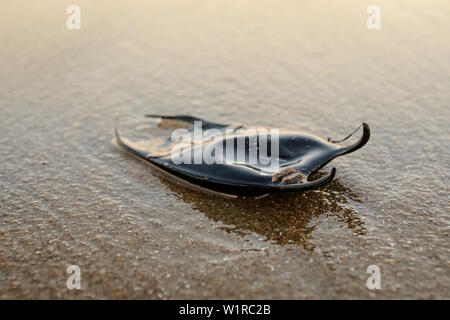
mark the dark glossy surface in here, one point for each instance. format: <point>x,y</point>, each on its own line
<point>302,151</point>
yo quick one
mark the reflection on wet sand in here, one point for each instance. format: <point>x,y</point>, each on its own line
<point>281,218</point>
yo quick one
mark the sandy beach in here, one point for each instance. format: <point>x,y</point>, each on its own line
<point>70,196</point>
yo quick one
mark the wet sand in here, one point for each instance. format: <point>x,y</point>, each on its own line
<point>69,196</point>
